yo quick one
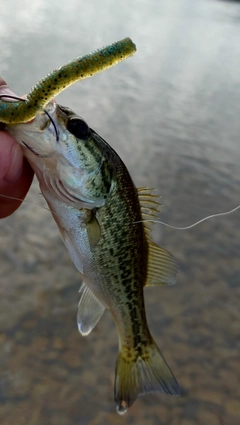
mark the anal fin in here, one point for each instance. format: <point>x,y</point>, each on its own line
<point>90,310</point>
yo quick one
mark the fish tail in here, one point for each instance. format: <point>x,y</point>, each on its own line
<point>142,373</point>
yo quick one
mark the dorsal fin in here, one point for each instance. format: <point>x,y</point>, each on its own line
<point>150,206</point>
<point>162,266</point>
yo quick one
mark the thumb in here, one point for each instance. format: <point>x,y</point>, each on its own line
<point>15,174</point>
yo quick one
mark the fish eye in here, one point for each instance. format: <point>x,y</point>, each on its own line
<point>78,127</point>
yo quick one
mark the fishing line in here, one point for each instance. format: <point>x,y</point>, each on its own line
<point>54,124</point>
<point>191,225</point>
<point>28,202</point>
<point>142,221</point>
<point>9,96</point>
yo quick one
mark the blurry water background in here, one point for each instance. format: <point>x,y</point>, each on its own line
<point>172,113</point>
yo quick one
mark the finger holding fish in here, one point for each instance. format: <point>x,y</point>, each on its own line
<point>15,172</point>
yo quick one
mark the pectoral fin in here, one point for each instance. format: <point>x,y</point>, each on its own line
<point>90,311</point>
<point>162,266</point>
<point>94,232</point>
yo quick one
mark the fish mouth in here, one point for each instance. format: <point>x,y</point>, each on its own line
<point>40,135</point>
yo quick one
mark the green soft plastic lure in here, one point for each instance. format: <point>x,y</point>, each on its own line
<point>61,78</point>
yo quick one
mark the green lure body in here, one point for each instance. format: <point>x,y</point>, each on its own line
<point>61,78</point>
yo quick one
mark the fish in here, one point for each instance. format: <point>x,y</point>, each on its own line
<point>100,215</point>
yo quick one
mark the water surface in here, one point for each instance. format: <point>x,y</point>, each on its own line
<point>171,112</point>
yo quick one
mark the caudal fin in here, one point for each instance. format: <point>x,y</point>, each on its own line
<point>147,373</point>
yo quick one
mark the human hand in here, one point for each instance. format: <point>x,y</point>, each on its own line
<point>15,173</point>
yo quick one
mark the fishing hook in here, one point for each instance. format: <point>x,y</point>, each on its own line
<point>24,100</point>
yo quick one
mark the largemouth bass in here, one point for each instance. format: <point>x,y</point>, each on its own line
<point>100,215</point>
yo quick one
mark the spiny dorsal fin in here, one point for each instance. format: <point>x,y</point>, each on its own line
<point>162,266</point>
<point>89,310</point>
<point>150,206</point>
